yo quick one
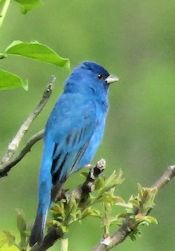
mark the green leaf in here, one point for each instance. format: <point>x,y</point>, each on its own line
<point>91,212</point>
<point>100,182</point>
<point>58,210</point>
<point>10,239</point>
<point>2,56</point>
<point>22,227</point>
<point>111,198</point>
<point>151,219</point>
<point>10,80</point>
<point>84,174</point>
<point>133,235</point>
<point>116,178</point>
<point>2,242</point>
<point>21,223</point>
<point>64,229</point>
<point>38,51</point>
<point>146,197</point>
<point>27,5</point>
<point>146,220</point>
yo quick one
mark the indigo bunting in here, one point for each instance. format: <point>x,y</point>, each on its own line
<point>73,133</point>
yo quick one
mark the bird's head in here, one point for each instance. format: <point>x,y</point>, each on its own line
<point>90,78</point>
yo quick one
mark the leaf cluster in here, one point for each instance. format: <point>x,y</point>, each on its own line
<point>32,50</point>
<point>8,239</point>
<point>103,203</point>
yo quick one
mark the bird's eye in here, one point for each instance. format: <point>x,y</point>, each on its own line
<point>100,76</point>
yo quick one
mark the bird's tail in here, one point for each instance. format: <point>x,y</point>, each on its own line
<point>38,228</point>
<point>46,197</point>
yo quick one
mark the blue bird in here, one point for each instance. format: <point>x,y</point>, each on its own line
<point>73,133</point>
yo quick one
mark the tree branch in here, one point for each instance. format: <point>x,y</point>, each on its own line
<point>129,225</point>
<point>81,194</point>
<point>52,236</point>
<point>165,178</point>
<point>13,146</point>
<point>6,167</point>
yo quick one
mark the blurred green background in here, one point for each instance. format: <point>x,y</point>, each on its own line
<point>133,39</point>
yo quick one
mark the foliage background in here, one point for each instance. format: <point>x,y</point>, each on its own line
<point>133,39</point>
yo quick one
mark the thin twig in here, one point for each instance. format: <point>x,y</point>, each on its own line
<point>165,178</point>
<point>4,11</point>
<point>6,167</point>
<point>128,226</point>
<point>13,146</point>
<point>64,244</point>
<point>89,184</point>
<point>81,194</point>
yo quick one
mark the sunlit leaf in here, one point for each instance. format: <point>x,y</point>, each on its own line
<point>38,51</point>
<point>27,5</point>
<point>10,238</point>
<point>2,242</point>
<point>146,220</point>
<point>99,183</point>
<point>11,248</point>
<point>10,80</point>
<point>91,212</point>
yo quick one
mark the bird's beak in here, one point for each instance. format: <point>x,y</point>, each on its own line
<point>112,79</point>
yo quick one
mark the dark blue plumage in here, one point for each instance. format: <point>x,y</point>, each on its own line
<point>73,132</point>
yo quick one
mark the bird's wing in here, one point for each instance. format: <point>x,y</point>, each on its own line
<point>70,127</point>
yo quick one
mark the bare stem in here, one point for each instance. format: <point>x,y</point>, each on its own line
<point>13,146</point>
<point>3,12</point>
<point>6,167</point>
<point>64,244</point>
<point>165,178</point>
